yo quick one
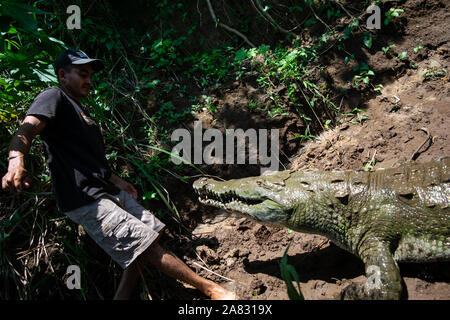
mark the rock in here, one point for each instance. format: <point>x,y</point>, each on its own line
<point>435,64</point>
<point>207,254</point>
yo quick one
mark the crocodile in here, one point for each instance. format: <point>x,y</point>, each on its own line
<point>385,216</point>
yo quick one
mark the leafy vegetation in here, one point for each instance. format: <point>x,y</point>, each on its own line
<point>288,274</point>
<point>391,14</point>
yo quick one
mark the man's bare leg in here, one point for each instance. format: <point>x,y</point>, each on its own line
<point>172,266</point>
<point>130,276</point>
<point>128,281</point>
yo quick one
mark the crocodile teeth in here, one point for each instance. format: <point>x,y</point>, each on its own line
<point>224,199</point>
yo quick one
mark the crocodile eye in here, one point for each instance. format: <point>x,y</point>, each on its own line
<point>260,182</point>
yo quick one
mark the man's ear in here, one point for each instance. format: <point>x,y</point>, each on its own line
<point>61,74</point>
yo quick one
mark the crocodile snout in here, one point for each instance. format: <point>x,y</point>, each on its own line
<point>200,183</point>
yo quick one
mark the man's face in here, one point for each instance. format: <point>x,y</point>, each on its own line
<point>77,82</point>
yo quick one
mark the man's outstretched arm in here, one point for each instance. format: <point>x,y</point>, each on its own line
<point>16,178</point>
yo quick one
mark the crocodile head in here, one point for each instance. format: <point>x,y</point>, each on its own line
<point>264,198</point>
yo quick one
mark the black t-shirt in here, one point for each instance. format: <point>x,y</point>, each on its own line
<point>74,150</point>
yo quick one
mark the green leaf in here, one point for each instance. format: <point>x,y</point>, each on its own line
<point>21,13</point>
<point>110,45</point>
<point>150,195</point>
<point>241,55</point>
<point>368,41</point>
<point>12,30</point>
<point>3,236</point>
<point>402,55</point>
<point>291,9</point>
<point>252,52</point>
<point>45,74</point>
<point>355,23</point>
<point>330,13</point>
<point>152,84</point>
<point>287,273</point>
<point>348,58</point>
<point>310,22</point>
<point>57,41</point>
<point>416,49</point>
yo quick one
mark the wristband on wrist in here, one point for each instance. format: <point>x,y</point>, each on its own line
<point>19,156</point>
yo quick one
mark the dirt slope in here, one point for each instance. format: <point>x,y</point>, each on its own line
<point>249,253</point>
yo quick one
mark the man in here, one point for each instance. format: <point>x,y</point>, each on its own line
<point>86,189</point>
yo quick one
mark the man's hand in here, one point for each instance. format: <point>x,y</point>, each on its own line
<point>123,185</point>
<point>17,177</point>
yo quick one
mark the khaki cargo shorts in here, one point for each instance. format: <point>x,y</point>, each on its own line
<point>119,225</point>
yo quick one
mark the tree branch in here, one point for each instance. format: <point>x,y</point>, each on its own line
<point>258,7</point>
<point>220,24</point>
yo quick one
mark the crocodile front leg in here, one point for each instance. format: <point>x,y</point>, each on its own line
<point>383,275</point>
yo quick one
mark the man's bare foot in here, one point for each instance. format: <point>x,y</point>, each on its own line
<point>219,293</point>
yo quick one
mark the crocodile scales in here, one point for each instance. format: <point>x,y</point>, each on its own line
<point>399,214</point>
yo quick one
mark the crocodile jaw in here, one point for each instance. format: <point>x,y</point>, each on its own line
<point>250,204</point>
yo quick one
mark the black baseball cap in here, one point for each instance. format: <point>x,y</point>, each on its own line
<point>74,56</point>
